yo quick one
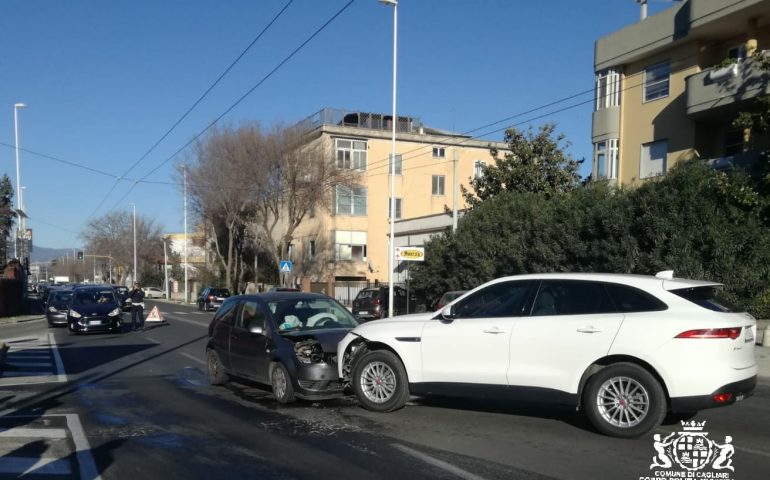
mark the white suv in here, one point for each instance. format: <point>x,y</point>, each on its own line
<point>627,349</point>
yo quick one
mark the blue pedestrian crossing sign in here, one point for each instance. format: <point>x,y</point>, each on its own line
<point>285,266</point>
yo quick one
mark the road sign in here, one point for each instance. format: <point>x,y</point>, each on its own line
<point>285,266</point>
<point>410,254</point>
<point>154,315</point>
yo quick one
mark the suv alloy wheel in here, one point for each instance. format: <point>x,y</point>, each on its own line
<point>380,381</point>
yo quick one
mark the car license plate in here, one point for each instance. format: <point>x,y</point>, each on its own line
<point>739,397</point>
<point>363,313</point>
<point>94,322</point>
<point>749,334</point>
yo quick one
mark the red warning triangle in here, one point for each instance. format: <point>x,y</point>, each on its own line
<point>154,315</point>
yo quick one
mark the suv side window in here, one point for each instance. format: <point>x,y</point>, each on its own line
<point>251,315</point>
<point>504,299</point>
<point>630,299</point>
<point>571,297</point>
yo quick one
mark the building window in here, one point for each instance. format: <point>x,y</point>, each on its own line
<point>351,154</point>
<point>607,89</point>
<point>311,250</point>
<point>606,159</point>
<point>733,142</point>
<point>350,245</point>
<point>656,79</point>
<point>396,165</point>
<point>398,208</point>
<point>653,159</point>
<point>478,168</point>
<point>738,52</point>
<point>350,201</point>
<point>439,152</point>
<point>438,185</point>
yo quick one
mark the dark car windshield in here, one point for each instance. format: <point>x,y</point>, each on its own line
<point>88,297</point>
<point>711,297</point>
<point>310,314</point>
<point>219,292</point>
<point>374,293</point>
<point>61,297</point>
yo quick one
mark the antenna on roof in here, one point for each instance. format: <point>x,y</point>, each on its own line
<point>665,274</point>
<point>643,13</point>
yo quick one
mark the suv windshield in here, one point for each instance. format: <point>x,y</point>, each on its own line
<point>61,297</point>
<point>374,293</point>
<point>87,297</point>
<point>712,298</point>
<point>219,292</point>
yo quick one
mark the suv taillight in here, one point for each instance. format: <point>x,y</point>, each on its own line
<point>376,301</point>
<point>732,333</point>
<point>211,297</point>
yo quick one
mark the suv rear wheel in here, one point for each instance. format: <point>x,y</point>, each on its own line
<point>624,400</point>
<point>380,381</point>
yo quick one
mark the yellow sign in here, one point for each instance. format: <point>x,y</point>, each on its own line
<point>410,254</point>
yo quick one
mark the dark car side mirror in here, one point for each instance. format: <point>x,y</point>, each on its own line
<point>256,330</point>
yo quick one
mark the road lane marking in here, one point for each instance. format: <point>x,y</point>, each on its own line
<point>83,449</point>
<point>187,355</point>
<point>33,432</point>
<point>184,320</point>
<point>448,467</point>
<point>62,374</point>
<point>152,340</point>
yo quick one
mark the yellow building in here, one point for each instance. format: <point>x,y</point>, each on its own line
<point>669,87</point>
<point>348,240</point>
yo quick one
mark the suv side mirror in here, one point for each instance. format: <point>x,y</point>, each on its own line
<point>448,312</point>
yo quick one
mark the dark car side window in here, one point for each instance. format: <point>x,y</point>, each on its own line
<point>251,315</point>
<point>504,299</point>
<point>629,299</point>
<point>571,297</point>
<point>226,312</point>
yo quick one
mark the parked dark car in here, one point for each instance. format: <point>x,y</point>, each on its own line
<point>122,293</point>
<point>284,339</point>
<point>57,305</point>
<point>211,298</point>
<point>372,303</point>
<point>94,309</point>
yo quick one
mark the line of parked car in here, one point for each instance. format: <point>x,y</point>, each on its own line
<point>625,349</point>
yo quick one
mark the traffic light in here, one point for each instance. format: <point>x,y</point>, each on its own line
<point>80,255</point>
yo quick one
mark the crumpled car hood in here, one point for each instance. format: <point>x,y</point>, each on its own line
<point>327,337</point>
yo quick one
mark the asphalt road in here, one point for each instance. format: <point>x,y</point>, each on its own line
<point>138,405</point>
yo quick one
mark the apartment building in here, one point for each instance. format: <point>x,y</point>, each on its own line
<point>348,239</point>
<point>669,87</point>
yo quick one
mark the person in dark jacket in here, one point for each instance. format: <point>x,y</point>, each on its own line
<point>137,306</point>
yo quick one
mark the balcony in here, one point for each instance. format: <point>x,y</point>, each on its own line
<point>715,92</point>
<point>743,160</point>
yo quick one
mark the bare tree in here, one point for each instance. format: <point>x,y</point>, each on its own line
<point>113,235</point>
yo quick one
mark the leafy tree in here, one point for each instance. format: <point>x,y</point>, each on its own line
<point>6,216</point>
<point>536,163</point>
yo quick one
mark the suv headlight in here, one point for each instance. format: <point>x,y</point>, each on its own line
<point>52,310</point>
<point>114,312</point>
<point>74,314</point>
<point>309,351</point>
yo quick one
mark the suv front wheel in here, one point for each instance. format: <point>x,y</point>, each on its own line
<point>380,381</point>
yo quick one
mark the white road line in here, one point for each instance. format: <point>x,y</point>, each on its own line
<point>448,467</point>
<point>191,322</point>
<point>196,359</point>
<point>83,449</point>
<point>62,374</point>
<point>152,340</point>
<point>33,432</point>
<point>181,313</point>
<point>23,466</point>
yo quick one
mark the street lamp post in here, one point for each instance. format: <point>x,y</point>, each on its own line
<point>165,269</point>
<point>19,197</point>
<point>136,274</point>
<point>391,244</point>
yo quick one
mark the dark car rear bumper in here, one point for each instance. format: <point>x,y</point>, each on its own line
<point>738,391</point>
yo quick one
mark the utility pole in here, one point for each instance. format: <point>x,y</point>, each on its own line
<point>455,155</point>
<point>136,274</point>
<point>184,171</point>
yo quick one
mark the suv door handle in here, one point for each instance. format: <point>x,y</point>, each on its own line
<point>494,330</point>
<point>589,329</point>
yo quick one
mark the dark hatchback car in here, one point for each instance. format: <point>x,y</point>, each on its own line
<point>57,305</point>
<point>372,303</point>
<point>211,298</point>
<point>286,340</point>
<point>94,309</point>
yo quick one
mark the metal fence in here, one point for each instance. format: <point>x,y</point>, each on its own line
<point>347,118</point>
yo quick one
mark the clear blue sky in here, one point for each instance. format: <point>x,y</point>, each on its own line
<point>105,80</point>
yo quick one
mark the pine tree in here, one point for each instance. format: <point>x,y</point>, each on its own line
<point>6,216</point>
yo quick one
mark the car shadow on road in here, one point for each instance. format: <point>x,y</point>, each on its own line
<point>566,414</point>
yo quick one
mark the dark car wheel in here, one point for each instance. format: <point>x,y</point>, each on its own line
<point>216,370</point>
<point>380,381</point>
<point>283,390</point>
<point>624,400</point>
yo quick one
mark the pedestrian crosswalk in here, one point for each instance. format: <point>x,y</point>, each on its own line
<point>52,445</point>
<point>33,359</point>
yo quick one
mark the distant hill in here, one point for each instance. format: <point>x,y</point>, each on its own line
<point>43,254</point>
